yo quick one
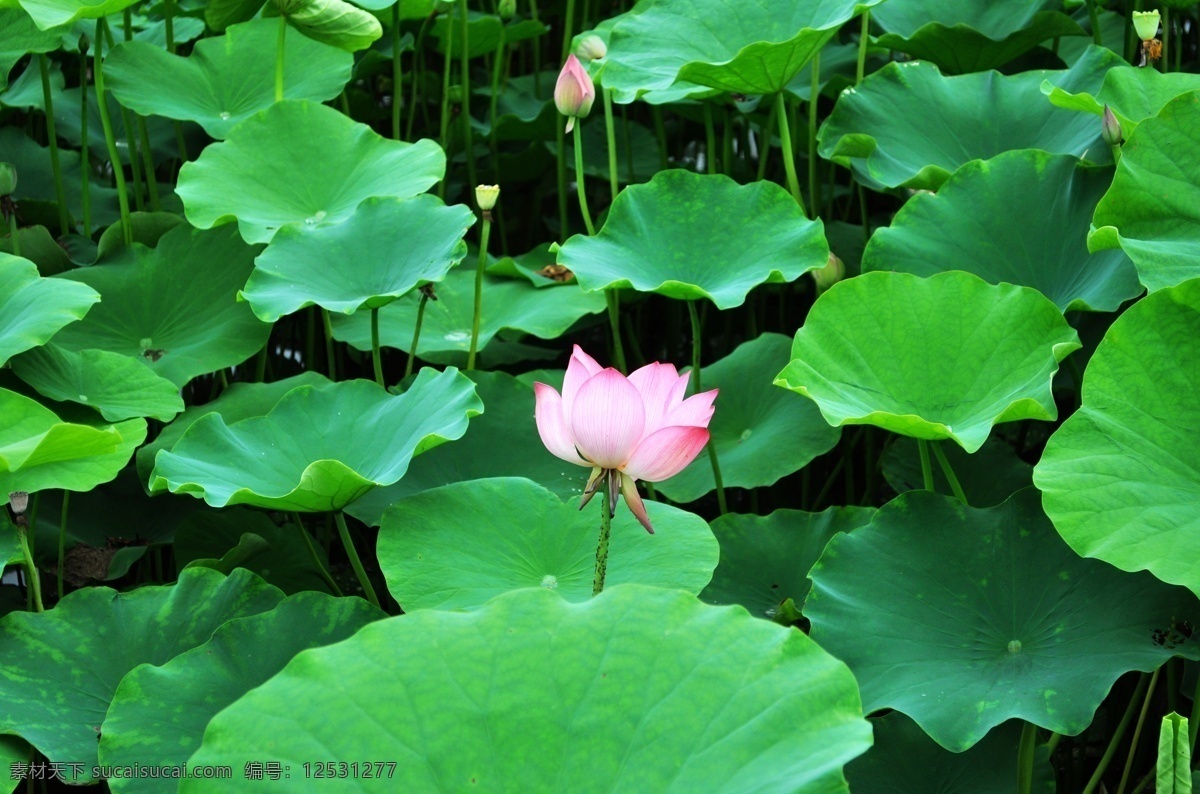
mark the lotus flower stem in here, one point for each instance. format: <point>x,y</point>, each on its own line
<point>84,154</point>
<point>51,134</point>
<point>412,351</point>
<point>329,344</point>
<point>1137,732</point>
<point>62,539</point>
<point>926,467</point>
<point>1194,719</point>
<point>376,361</point>
<point>281,42</point>
<point>497,71</point>
<point>764,146</point>
<point>312,552</point>
<point>581,183</point>
<point>694,316</point>
<point>31,572</point>
<point>12,234</point>
<point>568,30</point>
<point>1025,758</point>
<point>613,299</point>
<point>710,140</point>
<point>789,159</point>
<point>131,142</point>
<point>397,72</point>
<point>147,162</point>
<point>1166,33</point>
<point>602,544</point>
<point>465,80</point>
<point>864,39</point>
<point>1116,737</point>
<point>949,472</point>
<point>355,562</point>
<point>814,198</point>
<point>109,140</point>
<point>660,132</point>
<point>1094,19</point>
<point>418,48</point>
<point>610,132</point>
<point>479,266</point>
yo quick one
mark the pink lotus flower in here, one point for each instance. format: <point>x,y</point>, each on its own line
<point>574,92</point>
<point>626,429</point>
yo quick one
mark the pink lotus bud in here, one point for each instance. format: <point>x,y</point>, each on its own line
<point>1110,128</point>
<point>574,93</point>
<point>640,427</point>
<point>833,272</point>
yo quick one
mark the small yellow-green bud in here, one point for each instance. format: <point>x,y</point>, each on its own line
<point>8,179</point>
<point>591,48</point>
<point>507,9</point>
<point>1146,24</point>
<point>1110,128</point>
<point>486,196</point>
<point>833,272</point>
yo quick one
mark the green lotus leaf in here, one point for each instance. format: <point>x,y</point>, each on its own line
<point>387,248</point>
<point>524,109</point>
<point>240,401</point>
<point>906,761</point>
<point>1132,94</point>
<point>13,750</point>
<point>37,177</point>
<point>146,228</point>
<point>484,32</point>
<point>638,689</point>
<point>59,669</point>
<point>1121,478</point>
<point>941,357</point>
<point>226,79</point>
<point>48,14</point>
<point>19,36</point>
<point>964,618</point>
<point>300,162</point>
<point>1152,210</point>
<point>751,418</point>
<point>667,50</point>
<point>692,236</point>
<point>446,328</point>
<point>318,449</point>
<point>334,22</point>
<point>458,546</point>
<point>965,36</point>
<point>68,114</point>
<point>765,560</point>
<point>970,224</point>
<point>25,92</point>
<point>988,477</point>
<point>173,306</point>
<point>638,153</point>
<point>32,308</point>
<point>118,386</point>
<point>38,450</point>
<point>1173,773</point>
<point>158,714</point>
<point>506,423</point>
<point>942,128</point>
<point>838,67</point>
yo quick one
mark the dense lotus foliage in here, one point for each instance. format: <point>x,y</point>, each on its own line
<point>636,396</point>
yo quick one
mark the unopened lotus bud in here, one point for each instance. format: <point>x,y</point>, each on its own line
<point>574,93</point>
<point>1110,128</point>
<point>591,48</point>
<point>19,502</point>
<point>486,195</point>
<point>833,272</point>
<point>1146,24</point>
<point>8,179</point>
<point>455,94</point>
<point>84,43</point>
<point>507,9</point>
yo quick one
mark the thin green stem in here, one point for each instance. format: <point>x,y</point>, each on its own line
<point>109,140</point>
<point>312,552</point>
<point>412,351</point>
<point>613,298</point>
<point>694,317</point>
<point>376,359</point>
<point>764,146</point>
<point>1094,18</point>
<point>605,531</point>
<point>926,468</point>
<point>789,158</point>
<point>1117,734</point>
<point>127,117</point>
<point>660,132</point>
<point>479,267</point>
<point>444,128</point>
<point>610,132</point>
<point>581,181</point>
<point>1164,63</point>
<point>814,198</point>
<point>52,135</point>
<point>568,30</point>
<point>949,472</point>
<point>864,40</point>
<point>397,72</point>
<point>1194,718</point>
<point>355,562</point>
<point>84,153</point>
<point>147,161</point>
<point>280,44</point>
<point>12,234</point>
<point>329,343</point>
<point>418,49</point>
<point>494,99</point>
<point>1137,732</point>
<point>710,140</point>
<point>465,79</point>
<point>31,571</point>
<point>62,539</point>
<point>1025,757</point>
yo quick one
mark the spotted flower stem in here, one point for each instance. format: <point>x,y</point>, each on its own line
<point>605,531</point>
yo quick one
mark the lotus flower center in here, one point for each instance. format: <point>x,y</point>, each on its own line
<point>1014,646</point>
<point>550,582</point>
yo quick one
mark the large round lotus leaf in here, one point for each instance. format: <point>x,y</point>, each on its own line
<point>988,477</point>
<point>940,117</point>
<point>1121,477</point>
<point>318,449</point>
<point>508,303</point>
<point>118,386</point>
<point>506,423</point>
<point>300,162</point>
<point>963,618</point>
<point>639,689</point>
<point>765,560</point>
<point>226,79</point>
<point>55,13</point>
<point>173,306</point>
<point>967,36</point>
<point>973,224</point>
<point>158,714</point>
<point>751,420</point>
<point>1152,210</point>
<point>19,36</point>
<point>1132,94</point>
<point>941,357</point>
<point>461,545</point>
<point>333,22</point>
<point>36,181</point>
<point>906,761</point>
<point>387,248</point>
<point>668,50</point>
<point>59,669</point>
<point>40,450</point>
<point>690,236</point>
<point>281,555</point>
<point>32,308</point>
<point>239,401</point>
